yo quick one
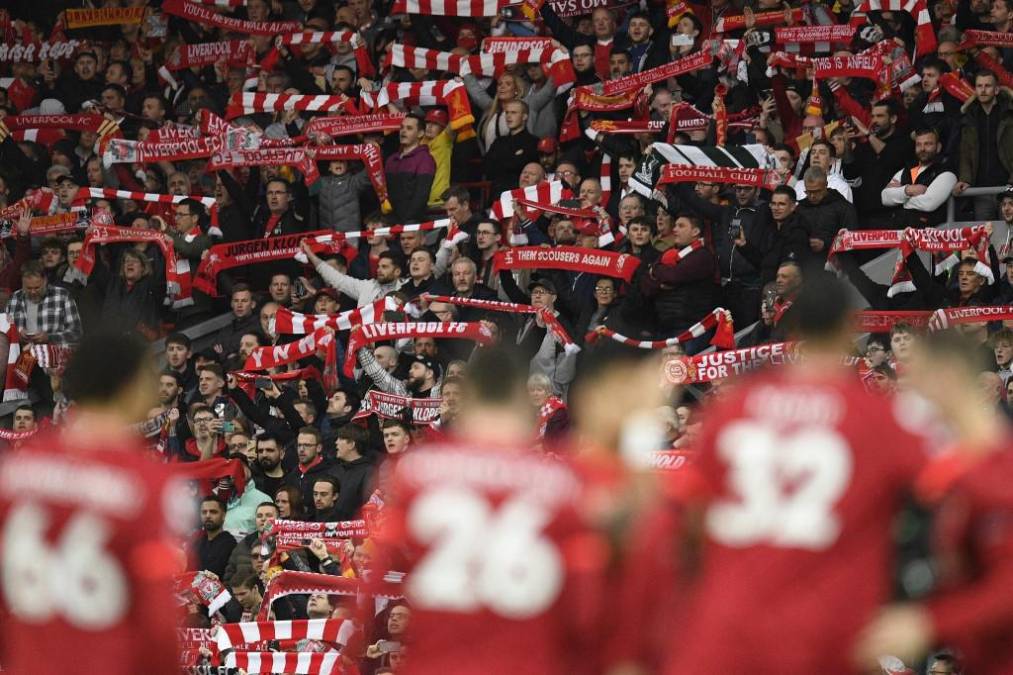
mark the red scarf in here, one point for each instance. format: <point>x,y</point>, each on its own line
<point>545,192</point>
<point>379,332</point>
<point>266,156</point>
<point>364,65</point>
<point>202,15</point>
<point>306,583</point>
<point>793,35</point>
<point>423,411</point>
<point>123,151</point>
<point>764,179</point>
<point>234,52</point>
<point>461,8</point>
<point>971,38</point>
<point>244,103</point>
<point>628,126</point>
<point>449,93</point>
<point>231,635</point>
<point>368,154</point>
<point>719,365</point>
<point>674,256</point>
<point>210,470</point>
<point>724,336</point>
<point>925,34</point>
<point>586,99</point>
<point>350,125</point>
<point>571,258</point>
<point>730,24</point>
<point>550,319</point>
<point>222,257</point>
<point>871,321</point>
<point>305,468</point>
<point>638,81</point>
<point>548,409</point>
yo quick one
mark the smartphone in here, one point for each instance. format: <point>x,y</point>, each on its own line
<point>682,40</point>
<point>228,427</point>
<point>388,646</point>
<point>300,289</point>
<point>263,382</point>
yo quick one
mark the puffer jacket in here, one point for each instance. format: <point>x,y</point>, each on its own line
<point>339,201</point>
<point>684,293</point>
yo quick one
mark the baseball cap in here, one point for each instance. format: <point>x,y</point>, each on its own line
<point>428,363</point>
<point>1007,194</point>
<point>543,283</point>
<point>437,116</point>
<point>329,292</point>
<point>64,178</point>
<point>547,145</point>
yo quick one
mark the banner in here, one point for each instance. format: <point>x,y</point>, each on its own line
<point>208,17</point>
<point>719,365</point>
<point>37,52</point>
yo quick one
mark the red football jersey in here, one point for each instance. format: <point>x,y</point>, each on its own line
<point>504,575</point>
<point>974,529</point>
<point>86,560</point>
<point>804,473</point>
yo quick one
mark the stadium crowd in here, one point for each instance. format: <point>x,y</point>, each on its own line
<point>375,190</point>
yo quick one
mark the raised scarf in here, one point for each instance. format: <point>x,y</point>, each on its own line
<point>449,93</point>
<point>176,287</point>
<point>307,583</point>
<point>724,336</point>
<point>461,8</point>
<point>925,34</point>
<point>719,365</point>
<point>275,356</point>
<point>104,16</point>
<point>570,258</point>
<point>207,17</point>
<point>378,332</point>
<point>287,322</point>
<point>638,81</point>
<point>349,125</point>
<point>245,103</point>
<point>368,154</point>
<point>422,411</point>
<point>550,407</point>
<point>233,52</point>
<point>765,179</point>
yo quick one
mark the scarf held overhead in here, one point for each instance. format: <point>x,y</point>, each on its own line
<point>570,258</point>
<point>423,411</point>
<point>378,332</point>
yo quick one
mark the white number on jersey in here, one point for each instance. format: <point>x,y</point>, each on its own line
<point>481,558</point>
<point>786,486</point>
<point>76,579</point>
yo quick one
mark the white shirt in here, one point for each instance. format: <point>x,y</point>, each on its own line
<point>835,181</point>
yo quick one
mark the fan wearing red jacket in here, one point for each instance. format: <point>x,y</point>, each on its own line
<point>802,474</point>
<point>504,574</point>
<point>973,608</point>
<point>86,551</point>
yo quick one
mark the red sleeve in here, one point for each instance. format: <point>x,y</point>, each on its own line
<point>789,119</point>
<point>127,179</point>
<point>10,277</point>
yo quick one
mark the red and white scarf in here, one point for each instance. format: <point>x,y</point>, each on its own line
<point>638,81</point>
<point>222,257</point>
<point>244,103</point>
<point>719,365</point>
<point>210,470</point>
<point>670,460</point>
<point>764,179</point>
<point>971,38</point>
<point>177,287</point>
<point>292,534</point>
<point>350,125</point>
<point>364,65</point>
<point>449,93</point>
<point>424,411</point>
<point>910,240</point>
<point>307,583</point>
<point>628,126</point>
<point>792,36</point>
<point>550,407</point>
<point>231,635</point>
<point>287,322</point>
<point>330,239</point>
<point>368,154</point>
<point>872,321</point>
<point>571,258</point>
<point>555,61</point>
<point>379,332</point>
<point>550,319</point>
<point>721,319</point>
<point>36,52</point>
<point>123,151</point>
<point>299,663</point>
<point>15,385</point>
<point>925,34</point>
<point>109,193</point>
<point>296,157</point>
<point>587,99</point>
<point>545,192</point>
<point>208,17</point>
<point>462,8</point>
<point>276,356</point>
<point>868,65</point>
<point>674,256</point>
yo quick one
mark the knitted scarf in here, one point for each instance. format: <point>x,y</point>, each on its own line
<point>207,17</point>
<point>105,16</point>
<point>719,365</point>
<point>176,287</point>
<point>264,358</point>
<point>571,258</point>
<point>379,332</point>
<point>420,411</point>
<point>461,8</point>
<point>350,125</point>
<point>368,154</point>
<point>287,322</point>
<point>449,93</point>
<point>638,81</point>
<point>764,179</point>
<point>306,583</point>
<point>551,405</point>
<point>720,319</point>
<point>925,34</point>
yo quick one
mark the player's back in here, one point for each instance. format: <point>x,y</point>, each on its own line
<point>805,473</point>
<point>495,550</point>
<point>85,561</point>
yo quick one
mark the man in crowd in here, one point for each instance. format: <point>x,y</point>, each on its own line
<point>410,173</point>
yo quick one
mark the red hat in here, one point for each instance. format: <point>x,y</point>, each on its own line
<point>438,116</point>
<point>547,145</point>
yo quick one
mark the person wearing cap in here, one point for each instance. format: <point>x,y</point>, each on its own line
<point>548,153</point>
<point>541,345</point>
<point>439,138</point>
<point>67,188</point>
<point>423,379</point>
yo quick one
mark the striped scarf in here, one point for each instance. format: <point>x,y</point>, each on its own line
<point>380,332</point>
<point>15,381</point>
<point>556,62</point>
<point>462,8</point>
<point>307,583</point>
<point>364,64</point>
<point>199,14</point>
<point>647,173</point>
<point>545,192</point>
<point>925,34</point>
<point>332,239</point>
<point>244,103</point>
<point>449,93</point>
<point>719,319</point>
<point>287,322</point>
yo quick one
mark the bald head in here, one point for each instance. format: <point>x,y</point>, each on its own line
<point>531,174</point>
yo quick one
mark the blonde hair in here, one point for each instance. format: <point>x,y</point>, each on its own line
<point>489,116</point>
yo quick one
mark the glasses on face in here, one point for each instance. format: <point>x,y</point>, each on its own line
<point>202,420</point>
<point>604,289</point>
<point>539,291</point>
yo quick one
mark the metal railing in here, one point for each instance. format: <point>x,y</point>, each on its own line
<point>951,203</point>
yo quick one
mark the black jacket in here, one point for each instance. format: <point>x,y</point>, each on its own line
<point>507,156</point>
<point>682,294</point>
<point>354,479</point>
<point>768,245</point>
<point>304,481</point>
<point>824,220</point>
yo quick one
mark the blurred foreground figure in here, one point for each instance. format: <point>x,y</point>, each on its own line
<point>802,471</point>
<point>504,575</point>
<point>970,490</point>
<point>86,556</point>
